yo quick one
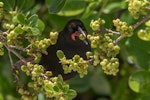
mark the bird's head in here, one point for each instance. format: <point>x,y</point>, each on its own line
<point>72,31</point>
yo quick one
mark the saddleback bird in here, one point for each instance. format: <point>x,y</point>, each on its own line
<point>70,43</point>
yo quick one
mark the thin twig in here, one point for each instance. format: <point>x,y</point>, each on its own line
<point>144,19</point>
<point>136,25</point>
<point>119,39</point>
<point>15,53</point>
<point>13,68</point>
<point>18,48</point>
<point>103,30</point>
<point>111,31</point>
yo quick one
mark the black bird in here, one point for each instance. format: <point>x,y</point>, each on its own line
<point>69,42</point>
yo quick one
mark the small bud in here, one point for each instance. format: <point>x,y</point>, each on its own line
<point>48,73</point>
<point>95,25</point>
<point>21,91</point>
<point>54,35</point>
<point>1,4</point>
<point>82,37</point>
<point>60,54</point>
<point>89,54</point>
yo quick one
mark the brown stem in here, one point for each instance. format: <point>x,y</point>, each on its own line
<point>119,39</point>
<point>103,30</point>
<point>15,53</point>
<point>136,25</point>
<point>144,19</point>
<point>18,48</point>
<point>14,69</point>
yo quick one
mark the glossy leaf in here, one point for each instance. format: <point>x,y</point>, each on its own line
<point>112,7</point>
<point>21,18</point>
<point>35,31</point>
<point>99,83</point>
<point>72,93</point>
<point>140,82</point>
<point>40,25</point>
<point>48,87</point>
<point>79,84</point>
<point>55,5</point>
<point>90,8</point>
<point>138,52</point>
<point>72,8</point>
<point>8,4</point>
<point>24,5</point>
<point>32,20</point>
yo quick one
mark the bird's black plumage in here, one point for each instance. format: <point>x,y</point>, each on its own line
<point>68,45</point>
<point>69,42</point>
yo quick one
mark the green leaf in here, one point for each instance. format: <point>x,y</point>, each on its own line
<point>55,5</point>
<point>21,18</point>
<point>56,88</point>
<point>72,93</point>
<point>8,4</point>
<point>18,30</point>
<point>24,5</point>
<point>48,87</point>
<point>66,88</point>
<point>90,8</point>
<point>35,31</point>
<point>99,83</point>
<point>41,96</point>
<point>72,8</point>
<point>140,82</point>
<point>80,84</point>
<point>15,19</point>
<point>40,25</point>
<point>139,51</point>
<point>112,7</point>
<point>32,20</point>
<point>60,54</point>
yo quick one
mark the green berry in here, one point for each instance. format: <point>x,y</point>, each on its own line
<point>1,4</point>
<point>89,54</point>
<point>54,35</point>
<point>95,25</point>
<point>82,37</point>
<point>1,44</point>
<point>60,54</point>
<point>48,73</point>
<point>21,91</point>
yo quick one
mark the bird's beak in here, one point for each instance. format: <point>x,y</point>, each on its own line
<point>83,33</point>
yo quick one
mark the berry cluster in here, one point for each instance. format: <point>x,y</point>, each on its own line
<point>104,50</point>
<point>123,28</point>
<point>76,64</point>
<point>104,53</point>
<point>137,7</point>
<point>96,24</point>
<point>13,33</point>
<point>52,87</point>
<point>42,45</point>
